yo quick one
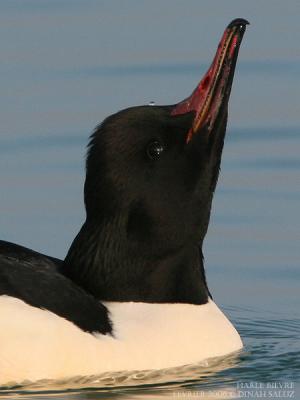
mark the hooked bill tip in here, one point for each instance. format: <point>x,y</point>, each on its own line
<point>237,22</point>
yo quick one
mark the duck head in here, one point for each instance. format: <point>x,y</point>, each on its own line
<point>150,177</point>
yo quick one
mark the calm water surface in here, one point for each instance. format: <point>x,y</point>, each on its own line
<point>56,88</point>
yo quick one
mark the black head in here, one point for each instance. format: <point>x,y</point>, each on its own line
<point>140,166</point>
<point>151,174</point>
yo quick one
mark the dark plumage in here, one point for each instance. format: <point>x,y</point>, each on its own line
<point>34,278</point>
<point>146,219</point>
<point>150,177</point>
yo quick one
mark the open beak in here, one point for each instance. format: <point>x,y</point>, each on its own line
<point>212,93</point>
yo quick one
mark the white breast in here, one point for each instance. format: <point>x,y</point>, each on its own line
<point>37,344</point>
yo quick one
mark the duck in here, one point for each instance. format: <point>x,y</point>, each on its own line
<point>131,293</point>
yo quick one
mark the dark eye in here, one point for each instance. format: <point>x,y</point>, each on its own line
<point>155,149</point>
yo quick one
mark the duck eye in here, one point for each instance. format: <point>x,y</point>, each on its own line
<point>154,150</point>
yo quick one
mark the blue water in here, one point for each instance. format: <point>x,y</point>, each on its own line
<point>65,66</point>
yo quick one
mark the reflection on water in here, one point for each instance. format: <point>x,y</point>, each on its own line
<point>120,380</point>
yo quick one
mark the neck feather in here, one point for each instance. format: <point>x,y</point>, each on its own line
<point>106,264</point>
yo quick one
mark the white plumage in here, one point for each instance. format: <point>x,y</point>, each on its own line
<point>37,344</point>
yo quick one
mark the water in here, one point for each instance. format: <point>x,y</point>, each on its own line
<point>65,68</point>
